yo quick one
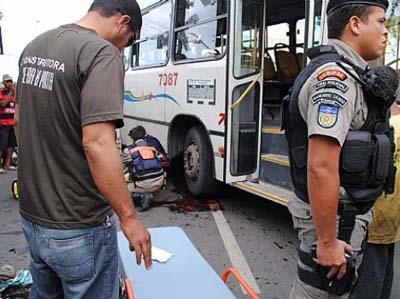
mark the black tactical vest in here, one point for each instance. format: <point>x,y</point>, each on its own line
<point>365,157</point>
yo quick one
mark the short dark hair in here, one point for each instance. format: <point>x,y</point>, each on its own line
<point>137,133</point>
<point>108,8</point>
<point>340,17</point>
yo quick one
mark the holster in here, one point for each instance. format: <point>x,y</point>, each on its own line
<point>317,278</point>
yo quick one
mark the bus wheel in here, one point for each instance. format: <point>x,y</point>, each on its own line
<point>198,162</point>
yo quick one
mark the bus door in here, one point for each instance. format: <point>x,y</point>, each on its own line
<point>316,25</point>
<point>244,91</point>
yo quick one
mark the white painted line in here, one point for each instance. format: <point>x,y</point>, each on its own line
<point>235,254</point>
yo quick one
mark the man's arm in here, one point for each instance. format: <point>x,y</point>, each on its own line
<point>104,161</point>
<point>323,190</point>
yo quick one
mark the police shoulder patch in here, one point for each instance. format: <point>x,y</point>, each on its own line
<point>329,98</point>
<point>332,74</point>
<point>329,83</point>
<point>327,116</point>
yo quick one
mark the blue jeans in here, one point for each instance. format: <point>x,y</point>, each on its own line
<point>73,263</point>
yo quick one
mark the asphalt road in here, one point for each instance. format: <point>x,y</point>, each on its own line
<point>263,232</point>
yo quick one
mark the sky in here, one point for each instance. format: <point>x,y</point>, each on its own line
<point>23,20</point>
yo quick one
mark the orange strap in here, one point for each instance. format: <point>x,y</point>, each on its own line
<point>146,152</point>
<point>242,282</point>
<point>129,289</point>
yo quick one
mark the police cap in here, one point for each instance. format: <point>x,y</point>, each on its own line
<point>335,4</point>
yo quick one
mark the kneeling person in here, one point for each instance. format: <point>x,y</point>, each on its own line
<point>145,174</point>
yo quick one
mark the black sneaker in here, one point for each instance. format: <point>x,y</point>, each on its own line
<point>137,200</point>
<point>145,202</point>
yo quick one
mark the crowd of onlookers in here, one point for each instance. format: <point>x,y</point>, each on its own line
<point>8,142</point>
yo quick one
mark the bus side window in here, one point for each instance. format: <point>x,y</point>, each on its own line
<point>300,35</point>
<point>143,4</point>
<point>152,48</point>
<point>200,29</point>
<point>277,34</point>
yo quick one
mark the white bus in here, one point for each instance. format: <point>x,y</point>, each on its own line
<point>207,78</point>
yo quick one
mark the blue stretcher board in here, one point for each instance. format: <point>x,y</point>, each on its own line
<point>186,275</point>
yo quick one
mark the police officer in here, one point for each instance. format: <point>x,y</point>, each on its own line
<point>326,103</point>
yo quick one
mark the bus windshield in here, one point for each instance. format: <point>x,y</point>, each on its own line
<point>248,39</point>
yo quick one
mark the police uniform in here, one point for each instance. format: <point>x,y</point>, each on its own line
<point>332,103</point>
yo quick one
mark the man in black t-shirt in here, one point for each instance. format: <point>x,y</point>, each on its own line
<point>69,102</point>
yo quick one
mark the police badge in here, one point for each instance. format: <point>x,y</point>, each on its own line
<point>327,116</point>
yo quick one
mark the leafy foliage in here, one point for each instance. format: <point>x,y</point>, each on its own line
<point>392,54</point>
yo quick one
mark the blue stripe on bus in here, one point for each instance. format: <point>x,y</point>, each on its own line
<point>129,97</point>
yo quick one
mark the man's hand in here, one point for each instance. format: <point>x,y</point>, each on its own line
<point>139,240</point>
<point>332,255</point>
<point>12,90</point>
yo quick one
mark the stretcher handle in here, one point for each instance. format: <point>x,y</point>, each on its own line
<point>129,289</point>
<point>241,280</point>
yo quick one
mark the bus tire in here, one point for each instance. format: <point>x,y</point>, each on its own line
<point>198,162</point>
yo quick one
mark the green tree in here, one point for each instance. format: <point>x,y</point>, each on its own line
<point>393,42</point>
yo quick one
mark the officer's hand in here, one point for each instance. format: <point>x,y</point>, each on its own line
<point>139,240</point>
<point>332,255</point>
